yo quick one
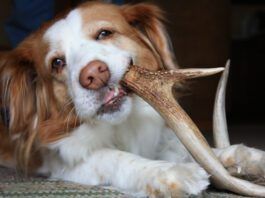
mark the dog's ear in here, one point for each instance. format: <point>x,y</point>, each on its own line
<point>20,85</point>
<point>149,19</point>
<point>17,90</point>
<point>23,84</point>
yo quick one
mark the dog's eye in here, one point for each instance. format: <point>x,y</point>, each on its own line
<point>58,64</point>
<point>103,34</point>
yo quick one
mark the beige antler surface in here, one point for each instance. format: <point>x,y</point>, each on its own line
<point>156,89</point>
<point>220,131</point>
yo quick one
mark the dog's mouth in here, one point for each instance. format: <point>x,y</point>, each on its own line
<point>113,99</point>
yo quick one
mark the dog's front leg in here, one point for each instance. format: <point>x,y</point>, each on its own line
<point>138,176</point>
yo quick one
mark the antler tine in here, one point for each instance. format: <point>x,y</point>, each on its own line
<point>195,72</point>
<point>220,132</point>
<point>173,76</point>
<point>156,89</point>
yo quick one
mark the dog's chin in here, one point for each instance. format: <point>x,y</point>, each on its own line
<point>111,104</point>
<point>116,113</point>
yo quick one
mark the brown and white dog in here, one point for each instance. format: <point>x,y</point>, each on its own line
<point>65,115</point>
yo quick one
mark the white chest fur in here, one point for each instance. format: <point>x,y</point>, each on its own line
<point>139,134</point>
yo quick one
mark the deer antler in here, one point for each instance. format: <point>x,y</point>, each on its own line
<point>156,89</point>
<point>220,132</point>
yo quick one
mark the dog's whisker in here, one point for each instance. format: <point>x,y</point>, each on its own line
<point>76,117</point>
<point>68,119</point>
<point>66,104</point>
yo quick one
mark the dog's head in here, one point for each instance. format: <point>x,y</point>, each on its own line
<point>69,71</point>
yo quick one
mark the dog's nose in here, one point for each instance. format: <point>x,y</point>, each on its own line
<point>94,75</point>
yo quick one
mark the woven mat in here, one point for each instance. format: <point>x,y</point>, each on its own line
<point>14,186</point>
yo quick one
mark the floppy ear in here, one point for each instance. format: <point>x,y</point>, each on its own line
<point>17,93</point>
<point>148,19</point>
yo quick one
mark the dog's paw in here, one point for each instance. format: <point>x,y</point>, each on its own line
<point>243,161</point>
<point>178,181</point>
<point>252,162</point>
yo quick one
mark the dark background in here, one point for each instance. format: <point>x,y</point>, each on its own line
<point>205,33</point>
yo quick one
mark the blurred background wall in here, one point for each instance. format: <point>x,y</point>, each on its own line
<point>205,33</point>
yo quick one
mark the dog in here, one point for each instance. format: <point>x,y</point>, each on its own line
<point>65,114</point>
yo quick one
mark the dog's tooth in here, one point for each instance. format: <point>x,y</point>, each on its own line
<point>116,91</point>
